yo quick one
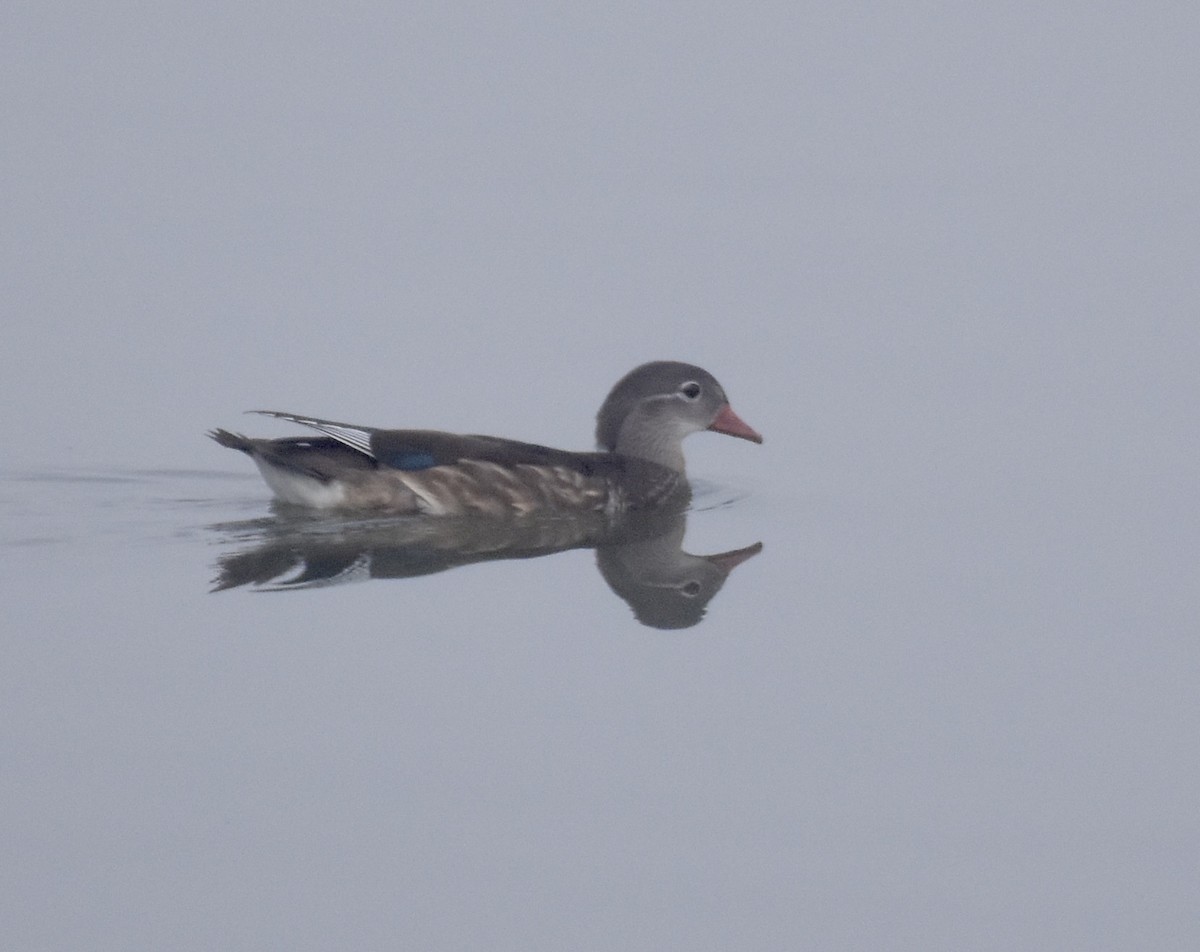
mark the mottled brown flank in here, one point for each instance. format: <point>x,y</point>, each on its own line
<point>475,487</point>
<point>485,488</point>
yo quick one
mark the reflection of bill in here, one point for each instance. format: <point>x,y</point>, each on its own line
<point>641,559</point>
<point>665,586</point>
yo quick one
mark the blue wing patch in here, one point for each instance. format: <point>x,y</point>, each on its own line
<point>411,459</point>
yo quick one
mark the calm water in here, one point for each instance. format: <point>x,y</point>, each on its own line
<point>904,723</point>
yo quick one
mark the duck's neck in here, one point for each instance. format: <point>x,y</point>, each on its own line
<point>665,449</point>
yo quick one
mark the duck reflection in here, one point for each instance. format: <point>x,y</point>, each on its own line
<point>642,559</point>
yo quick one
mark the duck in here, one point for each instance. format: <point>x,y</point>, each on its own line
<point>638,463</point>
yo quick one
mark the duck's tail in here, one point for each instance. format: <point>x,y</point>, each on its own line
<point>235,441</point>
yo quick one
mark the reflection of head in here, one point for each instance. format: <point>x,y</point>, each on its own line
<point>666,587</point>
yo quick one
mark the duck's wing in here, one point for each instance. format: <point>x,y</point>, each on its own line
<point>418,449</point>
<point>423,449</point>
<point>355,437</point>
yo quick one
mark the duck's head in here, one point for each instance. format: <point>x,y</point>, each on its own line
<point>652,408</point>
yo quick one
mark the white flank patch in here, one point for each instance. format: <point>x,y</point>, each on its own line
<point>301,490</point>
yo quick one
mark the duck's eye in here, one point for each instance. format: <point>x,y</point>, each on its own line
<point>691,390</point>
<point>690,588</point>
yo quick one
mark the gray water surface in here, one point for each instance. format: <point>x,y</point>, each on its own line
<point>947,719</point>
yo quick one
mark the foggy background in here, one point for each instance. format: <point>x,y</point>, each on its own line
<point>943,257</point>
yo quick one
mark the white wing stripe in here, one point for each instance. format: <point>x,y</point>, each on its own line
<point>353,436</point>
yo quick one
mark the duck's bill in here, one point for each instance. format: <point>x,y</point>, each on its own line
<point>728,561</point>
<point>731,424</point>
